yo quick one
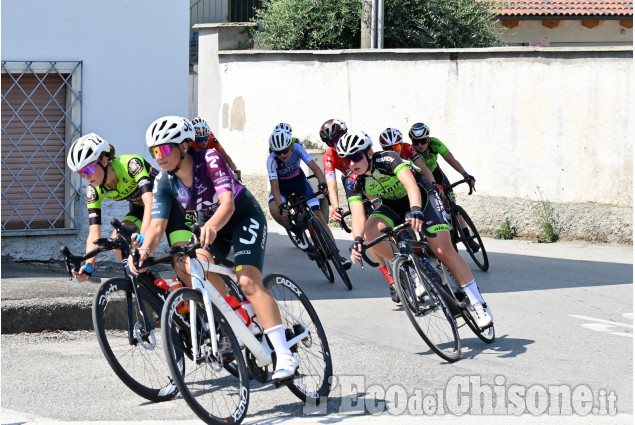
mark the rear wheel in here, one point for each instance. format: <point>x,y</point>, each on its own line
<point>480,256</point>
<point>428,313</point>
<point>315,369</point>
<point>214,385</point>
<point>134,352</point>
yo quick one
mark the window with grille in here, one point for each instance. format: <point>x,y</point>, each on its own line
<point>41,116</point>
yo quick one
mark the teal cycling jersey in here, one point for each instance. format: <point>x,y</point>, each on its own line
<point>435,148</point>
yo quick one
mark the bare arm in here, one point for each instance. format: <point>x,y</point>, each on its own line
<point>424,168</point>
<point>147,212</point>
<point>317,171</point>
<point>219,219</point>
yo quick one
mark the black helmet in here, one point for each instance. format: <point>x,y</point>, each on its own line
<point>332,129</point>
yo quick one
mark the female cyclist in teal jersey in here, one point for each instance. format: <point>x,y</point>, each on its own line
<point>127,177</point>
<point>402,192</point>
<point>203,182</point>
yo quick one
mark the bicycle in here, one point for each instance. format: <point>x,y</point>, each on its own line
<point>432,299</point>
<point>126,313</point>
<point>319,245</point>
<point>457,232</point>
<point>204,345</point>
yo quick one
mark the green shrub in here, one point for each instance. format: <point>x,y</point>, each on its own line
<point>506,230</point>
<point>548,221</point>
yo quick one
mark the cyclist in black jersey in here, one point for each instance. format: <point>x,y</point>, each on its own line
<point>126,177</point>
<point>405,195</point>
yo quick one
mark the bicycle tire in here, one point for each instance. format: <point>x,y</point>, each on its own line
<point>432,318</point>
<point>321,258</point>
<point>480,258</point>
<point>332,253</point>
<point>487,335</point>
<point>212,392</point>
<point>315,370</point>
<point>139,364</point>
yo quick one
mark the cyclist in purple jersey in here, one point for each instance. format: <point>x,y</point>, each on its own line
<point>203,182</point>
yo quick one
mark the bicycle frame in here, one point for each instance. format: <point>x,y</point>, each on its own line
<point>260,350</point>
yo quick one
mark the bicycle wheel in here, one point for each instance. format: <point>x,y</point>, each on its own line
<point>134,355</point>
<point>216,395</point>
<point>488,334</point>
<point>332,253</point>
<point>313,380</point>
<point>317,254</point>
<point>479,257</point>
<point>430,315</point>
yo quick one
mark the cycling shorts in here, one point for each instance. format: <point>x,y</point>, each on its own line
<point>394,212</point>
<point>299,186</point>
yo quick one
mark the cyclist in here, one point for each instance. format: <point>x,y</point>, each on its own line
<point>331,132</point>
<point>405,195</point>
<point>429,148</point>
<point>205,139</point>
<point>391,139</point>
<point>286,177</point>
<point>126,177</point>
<point>202,181</point>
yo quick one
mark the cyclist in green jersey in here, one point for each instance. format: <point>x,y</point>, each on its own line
<point>430,148</point>
<point>126,177</point>
<point>405,195</point>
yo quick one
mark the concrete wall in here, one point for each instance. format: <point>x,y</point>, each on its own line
<point>516,118</point>
<point>135,69</point>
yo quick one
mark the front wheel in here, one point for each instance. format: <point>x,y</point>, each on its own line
<point>313,379</point>
<point>427,309</point>
<point>134,351</point>
<point>479,256</point>
<point>317,254</point>
<point>332,253</point>
<point>214,385</point>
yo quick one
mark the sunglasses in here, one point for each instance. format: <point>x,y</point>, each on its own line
<point>396,148</point>
<point>88,170</point>
<point>416,142</point>
<point>356,157</point>
<point>283,152</point>
<point>161,150</point>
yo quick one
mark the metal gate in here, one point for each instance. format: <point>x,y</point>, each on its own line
<point>41,117</point>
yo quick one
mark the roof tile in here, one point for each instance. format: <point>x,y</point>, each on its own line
<point>582,8</point>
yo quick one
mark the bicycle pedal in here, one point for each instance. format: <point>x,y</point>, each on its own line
<point>285,381</point>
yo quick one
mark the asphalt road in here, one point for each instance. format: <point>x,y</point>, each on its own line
<point>563,353</point>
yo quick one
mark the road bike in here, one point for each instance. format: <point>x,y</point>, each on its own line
<point>205,340</point>
<point>308,233</point>
<point>457,231</point>
<point>431,297</point>
<point>126,317</point>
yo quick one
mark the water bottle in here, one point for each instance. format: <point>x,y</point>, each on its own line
<point>246,313</point>
<point>172,285</point>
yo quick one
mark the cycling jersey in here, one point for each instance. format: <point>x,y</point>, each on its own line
<point>332,161</point>
<point>291,178</point>
<point>435,148</point>
<point>134,178</point>
<point>212,176</point>
<point>212,143</point>
<point>384,183</point>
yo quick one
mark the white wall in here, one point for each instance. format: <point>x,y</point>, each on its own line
<point>134,53</point>
<point>515,118</point>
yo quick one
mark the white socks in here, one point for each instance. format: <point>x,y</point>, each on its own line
<point>472,292</point>
<point>278,340</point>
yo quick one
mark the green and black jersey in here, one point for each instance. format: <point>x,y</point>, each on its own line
<point>135,177</point>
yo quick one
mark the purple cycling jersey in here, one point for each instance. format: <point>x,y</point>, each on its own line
<point>212,176</point>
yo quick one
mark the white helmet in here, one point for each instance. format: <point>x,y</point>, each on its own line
<point>201,128</point>
<point>419,131</point>
<point>85,150</point>
<point>390,137</point>
<point>279,140</point>
<point>283,126</point>
<point>351,143</point>
<point>170,129</point>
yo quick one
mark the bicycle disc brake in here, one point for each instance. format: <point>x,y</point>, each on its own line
<point>260,374</point>
<point>145,339</point>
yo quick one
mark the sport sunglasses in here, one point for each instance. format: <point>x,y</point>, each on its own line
<point>283,151</point>
<point>423,141</point>
<point>356,157</point>
<point>162,150</point>
<point>88,170</point>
